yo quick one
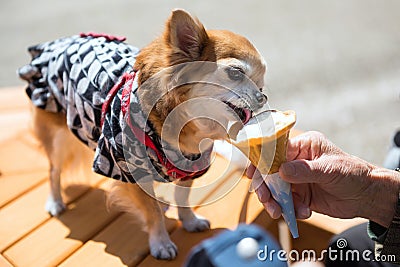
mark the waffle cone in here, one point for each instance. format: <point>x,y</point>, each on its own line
<point>267,153</point>
<point>264,142</point>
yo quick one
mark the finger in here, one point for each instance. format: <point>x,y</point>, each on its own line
<point>293,148</point>
<point>263,193</point>
<point>252,171</point>
<point>270,205</point>
<point>305,146</point>
<point>302,210</point>
<point>273,209</point>
<point>300,146</point>
<point>300,171</point>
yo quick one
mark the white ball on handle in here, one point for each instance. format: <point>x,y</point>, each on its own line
<point>247,248</point>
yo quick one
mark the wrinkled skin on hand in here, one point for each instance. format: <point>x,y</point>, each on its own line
<point>327,180</point>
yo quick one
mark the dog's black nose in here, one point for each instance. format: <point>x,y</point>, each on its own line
<point>261,98</point>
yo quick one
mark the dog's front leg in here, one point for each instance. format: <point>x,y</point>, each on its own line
<point>161,246</point>
<point>190,221</point>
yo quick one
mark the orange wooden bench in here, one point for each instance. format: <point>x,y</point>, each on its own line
<point>90,235</point>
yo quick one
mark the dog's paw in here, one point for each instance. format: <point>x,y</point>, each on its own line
<point>196,224</point>
<point>55,207</point>
<point>163,249</point>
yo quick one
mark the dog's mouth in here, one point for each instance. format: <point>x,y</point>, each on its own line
<point>243,113</point>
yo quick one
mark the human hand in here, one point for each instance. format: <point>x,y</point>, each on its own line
<point>327,180</point>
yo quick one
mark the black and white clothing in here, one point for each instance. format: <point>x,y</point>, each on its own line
<point>90,79</point>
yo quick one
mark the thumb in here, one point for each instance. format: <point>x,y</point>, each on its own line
<point>300,171</point>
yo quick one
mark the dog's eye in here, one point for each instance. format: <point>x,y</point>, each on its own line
<point>235,74</point>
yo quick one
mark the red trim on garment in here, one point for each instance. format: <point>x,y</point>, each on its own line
<point>126,82</point>
<point>107,36</point>
<point>126,77</point>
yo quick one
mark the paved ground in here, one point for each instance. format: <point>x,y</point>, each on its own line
<point>337,63</point>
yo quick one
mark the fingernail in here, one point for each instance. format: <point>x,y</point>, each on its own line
<point>304,212</point>
<point>288,169</point>
<point>271,210</point>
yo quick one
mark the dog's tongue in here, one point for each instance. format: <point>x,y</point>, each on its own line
<point>247,115</point>
<point>235,126</point>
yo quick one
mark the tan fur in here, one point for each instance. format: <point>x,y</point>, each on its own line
<point>135,201</point>
<point>210,46</point>
<point>52,131</point>
<point>184,40</point>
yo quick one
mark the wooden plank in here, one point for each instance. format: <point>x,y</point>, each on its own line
<point>268,224</point>
<point>245,206</point>
<point>332,225</point>
<point>63,235</point>
<point>18,157</point>
<point>318,242</point>
<point>231,205</point>
<point>14,121</point>
<point>202,187</point>
<point>12,186</point>
<point>4,262</point>
<point>13,98</point>
<point>122,243</point>
<point>226,211</point>
<point>19,217</point>
<point>311,237</point>
<point>28,137</point>
<point>22,215</point>
<point>185,242</point>
<point>131,255</point>
<point>14,112</point>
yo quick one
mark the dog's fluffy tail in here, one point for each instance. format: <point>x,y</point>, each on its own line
<point>64,151</point>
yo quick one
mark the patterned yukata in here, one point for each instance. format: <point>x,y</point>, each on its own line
<point>90,78</point>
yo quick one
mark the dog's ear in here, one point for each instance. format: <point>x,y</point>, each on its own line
<point>186,34</point>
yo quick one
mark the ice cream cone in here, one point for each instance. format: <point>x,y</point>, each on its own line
<point>264,141</point>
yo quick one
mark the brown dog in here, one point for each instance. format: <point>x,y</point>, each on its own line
<point>162,100</point>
